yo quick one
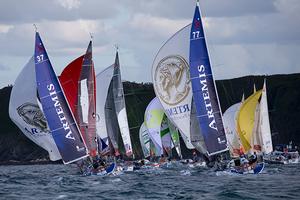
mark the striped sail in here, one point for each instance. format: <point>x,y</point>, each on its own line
<point>25,112</point>
<point>102,84</point>
<point>86,102</point>
<point>120,108</point>
<point>204,92</point>
<point>58,114</point>
<point>144,140</point>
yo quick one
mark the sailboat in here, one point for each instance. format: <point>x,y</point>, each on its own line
<point>59,116</point>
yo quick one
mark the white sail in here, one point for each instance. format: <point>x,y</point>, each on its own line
<point>171,81</point>
<point>26,113</point>
<point>267,146</point>
<point>103,80</point>
<point>153,117</point>
<point>229,120</point>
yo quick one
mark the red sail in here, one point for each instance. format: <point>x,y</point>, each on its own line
<point>69,81</point>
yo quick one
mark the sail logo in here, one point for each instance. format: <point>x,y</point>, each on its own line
<point>172,79</point>
<point>178,110</point>
<point>32,115</point>
<point>59,111</point>
<point>206,97</point>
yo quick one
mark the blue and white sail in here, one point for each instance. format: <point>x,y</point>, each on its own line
<point>62,125</point>
<point>204,92</point>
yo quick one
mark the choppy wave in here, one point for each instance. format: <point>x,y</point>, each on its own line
<point>168,182</point>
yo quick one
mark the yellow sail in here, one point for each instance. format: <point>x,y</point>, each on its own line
<point>245,119</point>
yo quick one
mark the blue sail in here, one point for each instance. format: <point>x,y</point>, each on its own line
<point>204,92</point>
<point>56,109</point>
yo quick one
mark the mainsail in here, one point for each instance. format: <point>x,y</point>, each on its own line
<point>171,81</point>
<point>86,102</point>
<point>26,113</point>
<point>59,116</point>
<point>261,136</point>
<point>153,117</point>
<point>102,84</point>
<point>246,119</point>
<point>111,120</point>
<point>144,140</point>
<point>265,130</point>
<point>120,107</point>
<point>204,92</point>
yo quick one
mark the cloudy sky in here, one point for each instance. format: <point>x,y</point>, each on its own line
<point>244,37</point>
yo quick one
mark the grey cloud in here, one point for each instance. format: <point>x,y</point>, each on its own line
<point>3,67</point>
<point>15,11</point>
<point>178,9</point>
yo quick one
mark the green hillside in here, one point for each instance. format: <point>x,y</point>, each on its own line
<point>283,102</point>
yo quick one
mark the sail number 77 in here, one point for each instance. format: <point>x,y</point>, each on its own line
<point>196,34</point>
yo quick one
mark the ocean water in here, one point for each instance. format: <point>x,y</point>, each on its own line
<point>173,182</point>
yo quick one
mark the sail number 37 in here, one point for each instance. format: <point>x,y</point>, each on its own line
<point>40,58</point>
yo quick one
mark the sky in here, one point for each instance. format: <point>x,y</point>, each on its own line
<point>256,37</point>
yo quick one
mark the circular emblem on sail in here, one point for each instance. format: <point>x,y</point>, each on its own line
<point>32,114</point>
<point>171,79</point>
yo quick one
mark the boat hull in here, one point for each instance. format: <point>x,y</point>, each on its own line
<point>257,170</point>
